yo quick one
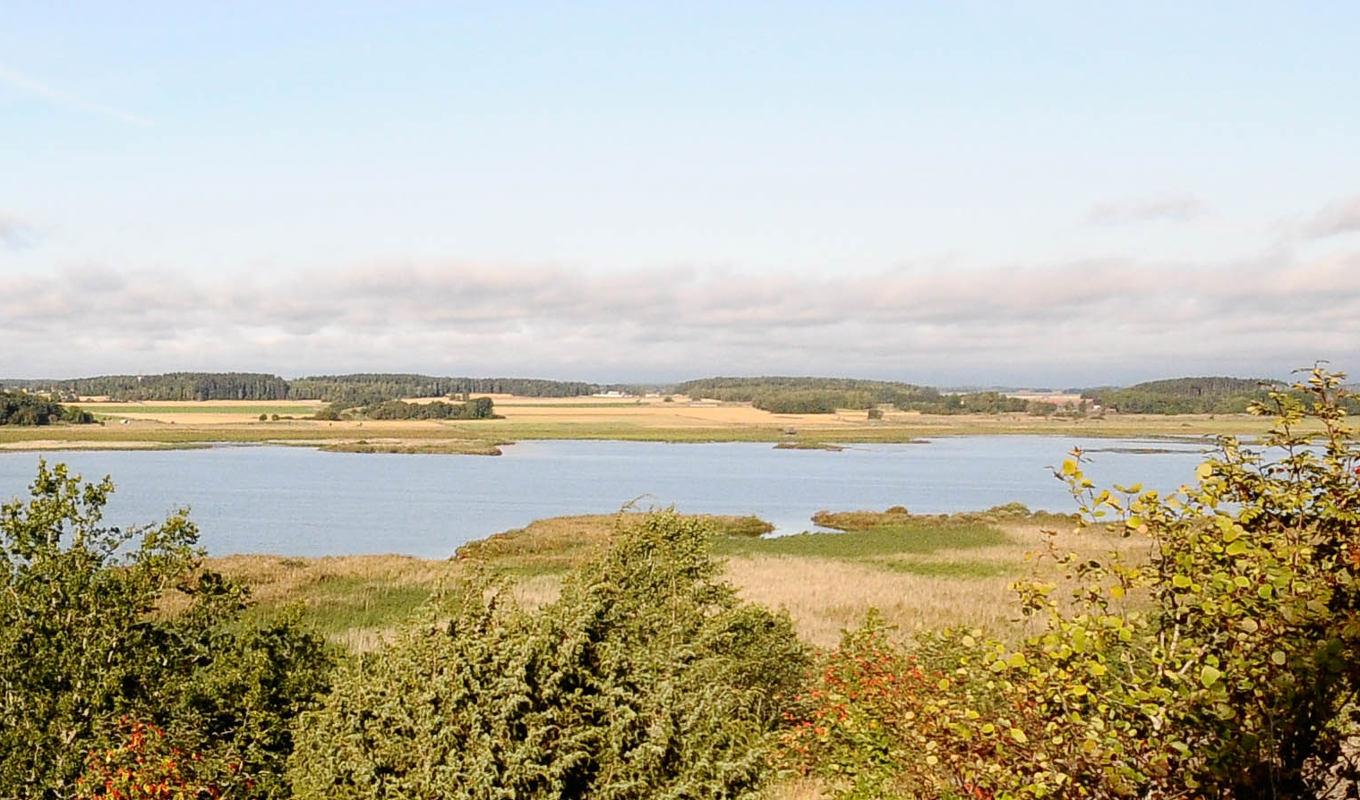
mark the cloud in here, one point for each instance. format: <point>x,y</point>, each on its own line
<point>66,100</point>
<point>15,233</point>
<point>1167,208</point>
<point>1337,218</point>
<point>1081,322</point>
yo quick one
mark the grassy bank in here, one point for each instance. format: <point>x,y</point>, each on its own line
<point>920,571</point>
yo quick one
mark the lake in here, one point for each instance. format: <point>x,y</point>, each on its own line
<point>303,502</point>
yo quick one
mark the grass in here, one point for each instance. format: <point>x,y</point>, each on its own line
<point>914,537</point>
<point>919,571</point>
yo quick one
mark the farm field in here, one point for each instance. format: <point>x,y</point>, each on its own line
<point>180,424</point>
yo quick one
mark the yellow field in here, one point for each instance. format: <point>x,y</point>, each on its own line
<point>178,424</point>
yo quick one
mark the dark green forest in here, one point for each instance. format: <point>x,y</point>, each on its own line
<point>366,388</point>
<point>21,408</point>
<point>1209,395</point>
<point>795,395</point>
<point>476,408</point>
<point>348,390</point>
<point>171,386</point>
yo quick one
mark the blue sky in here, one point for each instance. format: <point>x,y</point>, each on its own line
<point>953,192</point>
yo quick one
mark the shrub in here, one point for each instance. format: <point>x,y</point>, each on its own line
<point>144,765</point>
<point>101,623</point>
<point>1226,664</point>
<point>647,678</point>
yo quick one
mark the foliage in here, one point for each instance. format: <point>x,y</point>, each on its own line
<point>784,395</point>
<point>22,408</point>
<point>840,392</point>
<point>1186,395</point>
<point>647,678</point>
<point>1224,665</point>
<point>808,401</point>
<point>349,390</point>
<point>174,386</point>
<point>368,389</point>
<point>87,636</point>
<point>144,765</point>
<point>476,408</point>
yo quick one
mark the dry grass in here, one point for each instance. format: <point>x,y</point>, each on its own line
<point>933,572</point>
<point>827,595</point>
<point>356,601</point>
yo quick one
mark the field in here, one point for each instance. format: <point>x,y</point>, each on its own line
<point>181,424</point>
<point>920,571</point>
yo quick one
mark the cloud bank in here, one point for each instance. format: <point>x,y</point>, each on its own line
<point>1074,323</point>
<point>1338,218</point>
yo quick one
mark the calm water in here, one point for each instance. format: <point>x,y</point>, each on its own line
<point>298,501</point>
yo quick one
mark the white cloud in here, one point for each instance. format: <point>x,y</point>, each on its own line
<point>1081,322</point>
<point>1340,217</point>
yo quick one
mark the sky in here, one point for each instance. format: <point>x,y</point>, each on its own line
<point>1031,194</point>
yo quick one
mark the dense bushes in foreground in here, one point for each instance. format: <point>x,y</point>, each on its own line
<point>647,678</point>
<point>1226,665</point>
<point>99,626</point>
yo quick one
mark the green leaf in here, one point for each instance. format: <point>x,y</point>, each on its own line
<point>1208,676</point>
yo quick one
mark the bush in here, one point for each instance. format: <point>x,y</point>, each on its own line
<point>1224,665</point>
<point>98,624</point>
<point>145,765</point>
<point>647,678</point>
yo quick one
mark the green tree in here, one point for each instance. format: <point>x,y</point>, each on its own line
<point>100,623</point>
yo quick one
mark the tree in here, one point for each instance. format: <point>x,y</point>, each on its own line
<point>101,623</point>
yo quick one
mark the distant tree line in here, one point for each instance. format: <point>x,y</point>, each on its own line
<point>1211,395</point>
<point>348,390</point>
<point>172,386</point>
<point>789,395</point>
<point>21,408</point>
<point>377,387</point>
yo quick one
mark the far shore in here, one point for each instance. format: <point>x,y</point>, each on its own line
<point>159,425</point>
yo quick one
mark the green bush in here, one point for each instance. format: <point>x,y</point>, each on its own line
<point>98,624</point>
<point>1225,664</point>
<point>647,678</point>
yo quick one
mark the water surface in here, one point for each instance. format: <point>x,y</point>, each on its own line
<point>300,501</point>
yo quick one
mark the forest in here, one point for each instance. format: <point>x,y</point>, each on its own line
<point>351,390</point>
<point>794,395</point>
<point>22,408</point>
